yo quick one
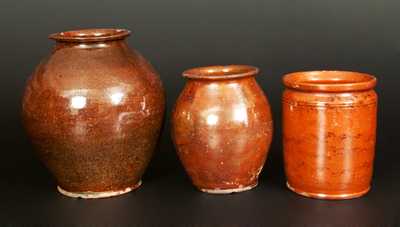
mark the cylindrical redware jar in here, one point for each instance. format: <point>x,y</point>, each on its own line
<point>329,124</point>
<point>93,109</point>
<point>222,128</point>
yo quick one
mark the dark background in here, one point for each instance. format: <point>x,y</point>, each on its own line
<point>278,36</point>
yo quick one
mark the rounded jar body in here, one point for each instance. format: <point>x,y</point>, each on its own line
<point>222,128</point>
<point>329,124</point>
<point>93,109</point>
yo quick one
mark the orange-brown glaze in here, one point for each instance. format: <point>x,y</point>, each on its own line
<point>329,122</point>
<point>93,109</point>
<point>222,128</point>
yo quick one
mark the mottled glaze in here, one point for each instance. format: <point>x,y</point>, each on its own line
<point>329,124</point>
<point>222,128</point>
<point>93,109</point>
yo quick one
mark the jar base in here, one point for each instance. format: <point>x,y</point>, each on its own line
<point>228,191</point>
<point>98,195</point>
<point>328,196</point>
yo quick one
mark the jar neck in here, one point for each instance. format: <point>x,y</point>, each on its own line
<point>91,45</point>
<point>221,72</point>
<point>222,85</point>
<point>90,38</point>
<point>90,35</point>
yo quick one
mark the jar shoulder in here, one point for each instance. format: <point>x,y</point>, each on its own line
<point>230,101</point>
<point>72,78</point>
<point>97,67</point>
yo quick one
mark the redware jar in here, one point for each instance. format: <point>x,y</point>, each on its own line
<point>329,122</point>
<point>93,109</point>
<point>222,128</point>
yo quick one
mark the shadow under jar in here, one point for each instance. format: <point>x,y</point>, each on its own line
<point>93,109</point>
<point>222,128</point>
<point>329,124</point>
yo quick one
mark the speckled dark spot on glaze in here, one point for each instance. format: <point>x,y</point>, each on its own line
<point>94,110</point>
<point>329,134</point>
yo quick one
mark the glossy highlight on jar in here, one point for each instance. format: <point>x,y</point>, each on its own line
<point>329,130</point>
<point>93,110</point>
<point>222,128</point>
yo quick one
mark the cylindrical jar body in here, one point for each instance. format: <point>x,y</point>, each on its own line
<point>222,129</point>
<point>329,134</point>
<point>93,109</point>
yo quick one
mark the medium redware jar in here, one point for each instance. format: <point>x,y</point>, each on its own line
<point>222,128</point>
<point>329,124</point>
<point>93,109</point>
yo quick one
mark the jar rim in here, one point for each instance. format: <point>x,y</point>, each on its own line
<point>329,81</point>
<point>220,72</point>
<point>90,35</point>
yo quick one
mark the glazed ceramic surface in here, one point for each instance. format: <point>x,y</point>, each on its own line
<point>329,121</point>
<point>93,109</point>
<point>222,128</point>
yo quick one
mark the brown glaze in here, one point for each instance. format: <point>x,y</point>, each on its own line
<point>222,128</point>
<point>329,121</point>
<point>93,109</point>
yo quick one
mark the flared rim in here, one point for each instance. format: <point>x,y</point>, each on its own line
<point>329,81</point>
<point>90,35</point>
<point>220,72</point>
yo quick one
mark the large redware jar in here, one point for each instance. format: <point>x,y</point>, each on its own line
<point>222,128</point>
<point>93,109</point>
<point>329,124</point>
